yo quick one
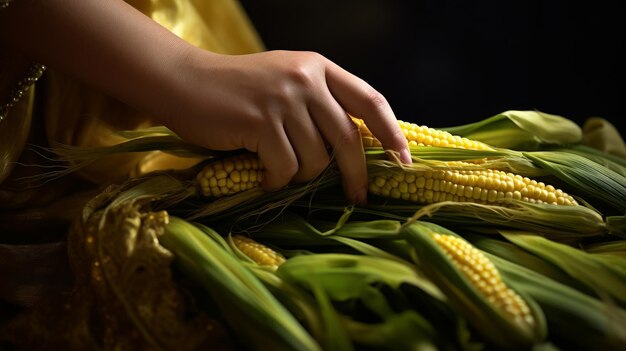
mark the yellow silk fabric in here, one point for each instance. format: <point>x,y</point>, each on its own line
<point>74,114</point>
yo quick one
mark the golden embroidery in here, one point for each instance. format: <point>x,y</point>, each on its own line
<point>34,73</point>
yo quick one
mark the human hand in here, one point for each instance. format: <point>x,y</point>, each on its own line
<point>286,106</point>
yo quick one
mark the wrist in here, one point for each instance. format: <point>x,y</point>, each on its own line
<point>185,75</point>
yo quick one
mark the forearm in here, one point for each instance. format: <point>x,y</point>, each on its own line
<point>107,44</point>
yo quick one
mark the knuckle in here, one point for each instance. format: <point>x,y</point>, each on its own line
<point>304,68</point>
<point>375,100</point>
<point>282,95</point>
<point>349,135</point>
<point>301,73</point>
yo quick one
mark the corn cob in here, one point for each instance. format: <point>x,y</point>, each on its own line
<point>243,172</point>
<point>508,318</point>
<point>481,186</point>
<point>485,277</point>
<point>231,175</point>
<point>259,253</point>
<point>486,186</point>
<point>417,135</point>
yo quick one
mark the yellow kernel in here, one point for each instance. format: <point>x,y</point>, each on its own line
<point>235,176</point>
<point>213,182</point>
<point>379,181</point>
<point>460,190</point>
<point>395,193</point>
<point>229,166</point>
<point>421,181</point>
<point>221,174</point>
<point>477,193</point>
<point>428,194</point>
<point>429,183</point>
<point>403,187</point>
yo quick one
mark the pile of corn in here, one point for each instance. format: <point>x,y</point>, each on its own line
<point>503,234</point>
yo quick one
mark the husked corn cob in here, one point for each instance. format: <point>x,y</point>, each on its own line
<point>243,172</point>
<point>417,135</point>
<point>481,186</point>
<point>259,253</point>
<point>486,186</point>
<point>231,175</point>
<point>484,276</point>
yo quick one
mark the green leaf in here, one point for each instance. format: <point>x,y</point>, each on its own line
<point>604,274</point>
<point>521,130</point>
<point>588,177</point>
<point>245,302</point>
<point>575,320</point>
<point>344,276</point>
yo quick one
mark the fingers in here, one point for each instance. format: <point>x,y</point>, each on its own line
<point>361,100</point>
<point>308,145</point>
<point>345,139</point>
<point>278,159</point>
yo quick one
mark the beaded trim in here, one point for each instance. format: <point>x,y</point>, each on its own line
<point>5,3</point>
<point>34,73</point>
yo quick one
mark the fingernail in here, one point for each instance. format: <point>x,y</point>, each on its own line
<point>405,157</point>
<point>361,197</point>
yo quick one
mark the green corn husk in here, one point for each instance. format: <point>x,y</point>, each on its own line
<point>576,321</point>
<point>602,135</point>
<point>337,338</point>
<point>337,280</point>
<point>562,223</point>
<point>588,177</point>
<point>515,254</point>
<point>612,162</point>
<point>346,279</point>
<point>617,248</point>
<point>293,230</point>
<point>492,323</point>
<point>521,130</point>
<point>603,274</point>
<point>297,300</point>
<point>344,276</point>
<point>404,331</point>
<point>250,308</point>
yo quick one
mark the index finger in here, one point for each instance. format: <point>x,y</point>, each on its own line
<point>361,100</point>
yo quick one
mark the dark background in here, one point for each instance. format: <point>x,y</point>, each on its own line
<point>443,62</point>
